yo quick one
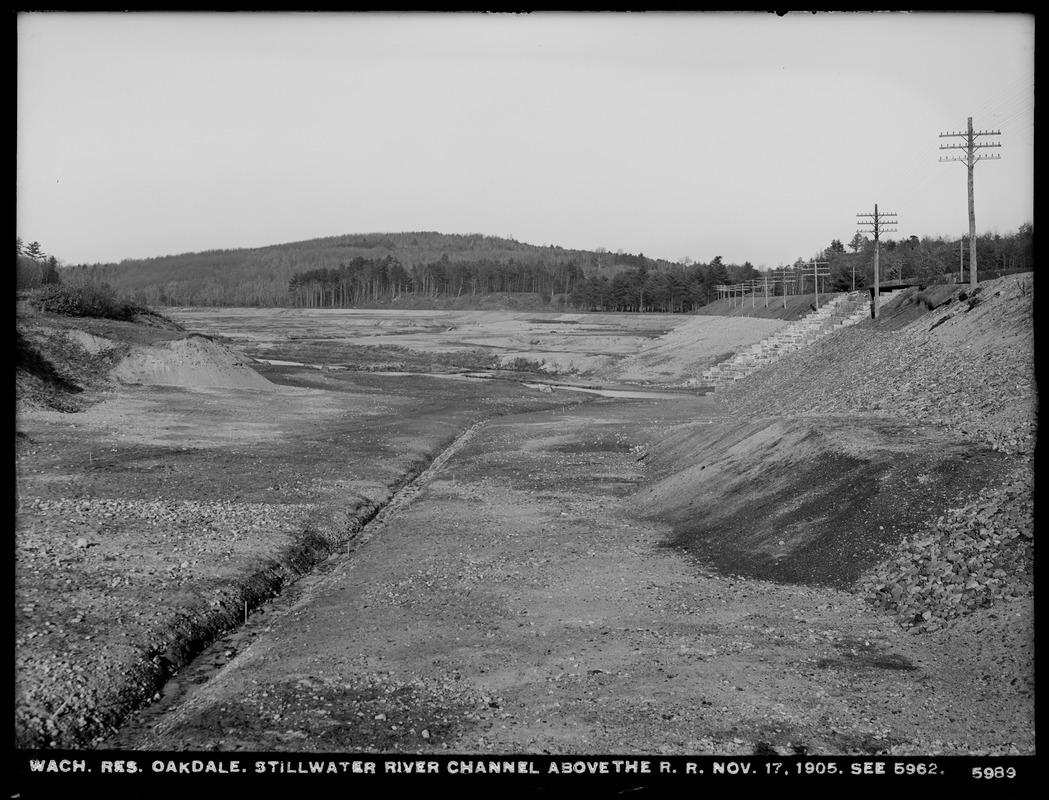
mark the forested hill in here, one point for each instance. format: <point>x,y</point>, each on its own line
<point>413,269</point>
<point>366,269</point>
<point>263,276</point>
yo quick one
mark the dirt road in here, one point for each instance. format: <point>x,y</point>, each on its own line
<point>518,605</point>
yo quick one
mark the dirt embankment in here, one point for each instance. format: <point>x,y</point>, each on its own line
<point>966,365</point>
<point>685,352</point>
<point>69,364</point>
<point>803,501</point>
<point>895,456</point>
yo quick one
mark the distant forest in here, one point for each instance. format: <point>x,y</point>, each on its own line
<point>373,270</point>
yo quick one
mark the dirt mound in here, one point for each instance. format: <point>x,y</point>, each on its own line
<point>67,363</point>
<point>195,361</point>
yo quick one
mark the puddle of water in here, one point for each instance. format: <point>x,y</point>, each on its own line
<point>278,363</point>
<point>469,376</point>
<point>623,393</point>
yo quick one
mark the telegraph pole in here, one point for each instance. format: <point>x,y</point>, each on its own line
<point>969,159</point>
<point>818,273</point>
<point>752,284</point>
<point>877,222</point>
<point>784,280</point>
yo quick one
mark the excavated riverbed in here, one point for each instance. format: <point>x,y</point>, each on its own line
<point>584,574</point>
<point>533,597</point>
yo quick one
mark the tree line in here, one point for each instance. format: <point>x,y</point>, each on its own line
<point>375,269</point>
<point>363,281</point>
<point>925,259</point>
<point>630,283</point>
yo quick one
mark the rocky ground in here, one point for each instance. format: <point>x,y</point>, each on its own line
<point>147,522</point>
<point>965,366</point>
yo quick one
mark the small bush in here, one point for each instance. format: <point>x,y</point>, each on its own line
<point>86,300</point>
<point>520,364</point>
<point>923,299</point>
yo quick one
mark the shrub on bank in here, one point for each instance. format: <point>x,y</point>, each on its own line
<point>85,300</point>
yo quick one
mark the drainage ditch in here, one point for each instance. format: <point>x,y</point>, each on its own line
<point>213,658</point>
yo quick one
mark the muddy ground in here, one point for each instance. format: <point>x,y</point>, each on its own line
<point>575,574</point>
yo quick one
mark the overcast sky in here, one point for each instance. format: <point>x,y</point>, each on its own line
<point>750,136</point>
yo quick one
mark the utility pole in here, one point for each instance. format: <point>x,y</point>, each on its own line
<point>818,273</point>
<point>784,280</point>
<point>969,159</point>
<point>877,222</point>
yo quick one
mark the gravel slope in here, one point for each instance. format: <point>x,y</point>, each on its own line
<point>967,367</point>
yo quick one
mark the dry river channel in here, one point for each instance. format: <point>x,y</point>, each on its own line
<point>511,600</point>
